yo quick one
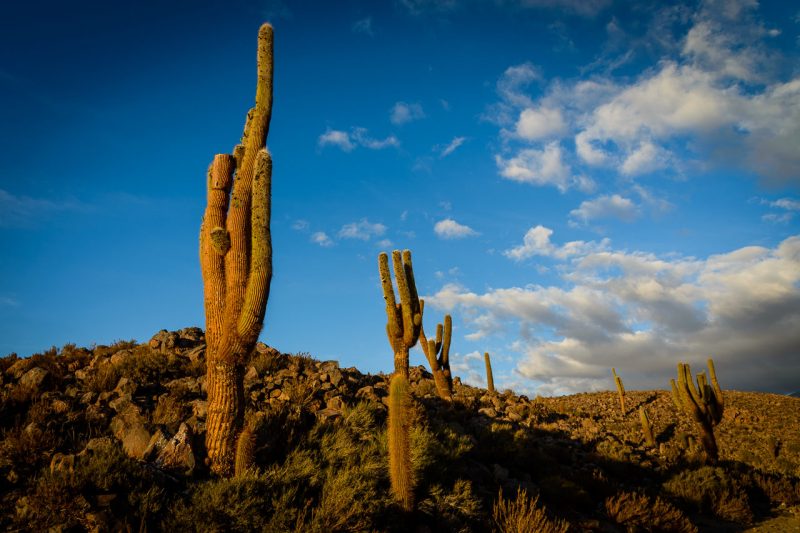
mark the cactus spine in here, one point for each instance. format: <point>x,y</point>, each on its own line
<point>236,264</point>
<point>704,403</point>
<point>489,376</point>
<point>620,390</point>
<point>400,471</point>
<point>438,354</point>
<point>404,318</point>
<point>647,428</point>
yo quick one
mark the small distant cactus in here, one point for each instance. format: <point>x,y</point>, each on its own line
<point>245,451</point>
<point>438,354</point>
<point>704,403</point>
<point>647,428</point>
<point>404,318</point>
<point>400,470</point>
<point>620,390</point>
<point>489,376</point>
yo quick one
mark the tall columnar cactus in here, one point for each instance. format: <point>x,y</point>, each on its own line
<point>620,390</point>
<point>404,318</point>
<point>245,452</point>
<point>704,403</point>
<point>236,263</point>
<point>437,351</point>
<point>400,469</point>
<point>489,375</point>
<point>647,428</point>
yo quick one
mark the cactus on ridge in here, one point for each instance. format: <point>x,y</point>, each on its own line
<point>404,318</point>
<point>704,403</point>
<point>236,265</point>
<point>438,354</point>
<point>620,390</point>
<point>647,428</point>
<point>489,375</point>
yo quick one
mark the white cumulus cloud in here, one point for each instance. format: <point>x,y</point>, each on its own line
<point>450,229</point>
<point>362,230</point>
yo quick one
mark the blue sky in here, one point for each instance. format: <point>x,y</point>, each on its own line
<point>582,184</point>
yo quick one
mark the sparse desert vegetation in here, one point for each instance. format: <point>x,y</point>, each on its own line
<point>113,438</point>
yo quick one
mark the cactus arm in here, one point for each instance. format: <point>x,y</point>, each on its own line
<point>676,398</point>
<point>258,283</point>
<point>647,428</point>
<point>220,179</point>
<point>719,401</point>
<point>416,310</point>
<point>448,331</point>
<point>393,326</point>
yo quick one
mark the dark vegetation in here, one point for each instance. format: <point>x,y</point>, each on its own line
<point>112,439</point>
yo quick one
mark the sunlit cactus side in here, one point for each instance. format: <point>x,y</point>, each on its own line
<point>236,264</point>
<point>400,468</point>
<point>620,390</point>
<point>704,403</point>
<point>647,428</point>
<point>404,318</point>
<point>437,351</point>
<point>489,376</point>
<point>245,452</point>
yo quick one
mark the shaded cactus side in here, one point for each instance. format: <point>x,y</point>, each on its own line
<point>404,319</point>
<point>647,428</point>
<point>704,403</point>
<point>620,390</point>
<point>437,352</point>
<point>400,469</point>
<point>489,376</point>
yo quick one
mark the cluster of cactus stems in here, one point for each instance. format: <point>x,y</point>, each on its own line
<point>437,351</point>
<point>489,376</point>
<point>620,390</point>
<point>236,264</point>
<point>404,319</point>
<point>647,428</point>
<point>704,403</point>
<point>403,328</point>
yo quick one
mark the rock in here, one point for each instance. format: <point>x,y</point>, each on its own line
<point>367,393</point>
<point>199,408</point>
<point>488,411</point>
<point>156,444</point>
<point>500,473</point>
<point>177,455</point>
<point>19,368</point>
<point>87,398</point>
<point>62,463</point>
<point>262,348</point>
<point>129,427</point>
<point>97,444</point>
<point>251,377</point>
<point>337,402</point>
<point>59,406</point>
<point>328,413</point>
<point>120,357</point>
<point>196,354</point>
<point>34,378</point>
<point>191,335</point>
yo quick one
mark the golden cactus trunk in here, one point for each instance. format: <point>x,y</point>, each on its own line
<point>489,376</point>
<point>400,470</point>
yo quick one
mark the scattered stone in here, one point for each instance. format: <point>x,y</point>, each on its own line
<point>34,378</point>
<point>176,454</point>
<point>129,428</point>
<point>19,368</point>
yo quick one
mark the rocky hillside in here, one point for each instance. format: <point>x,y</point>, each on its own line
<point>112,439</point>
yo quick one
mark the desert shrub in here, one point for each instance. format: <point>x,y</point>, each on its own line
<point>170,411</point>
<point>457,509</point>
<point>713,489</point>
<point>245,503</point>
<point>522,515</point>
<point>637,512</point>
<point>103,379</point>
<point>133,492</point>
<point>778,489</point>
<point>148,367</point>
<point>103,350</point>
<point>267,363</point>
<point>23,450</point>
